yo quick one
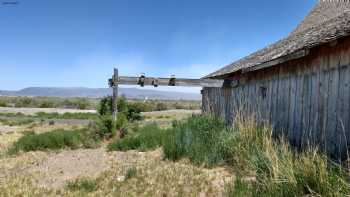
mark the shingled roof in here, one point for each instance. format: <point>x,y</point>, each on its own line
<point>328,21</point>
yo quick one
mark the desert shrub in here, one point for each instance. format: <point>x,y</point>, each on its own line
<point>68,103</point>
<point>106,127</point>
<point>53,140</point>
<point>50,102</point>
<point>125,109</point>
<point>47,104</point>
<point>24,102</point>
<point>85,185</point>
<point>105,106</point>
<point>77,103</point>
<point>145,138</point>
<point>82,103</point>
<point>122,120</point>
<point>16,122</point>
<point>44,115</point>
<point>178,106</point>
<point>141,106</point>
<point>3,103</point>
<point>67,115</point>
<point>14,115</point>
<point>161,107</point>
<point>134,113</point>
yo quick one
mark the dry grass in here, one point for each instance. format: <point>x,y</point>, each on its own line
<point>165,118</point>
<point>153,177</point>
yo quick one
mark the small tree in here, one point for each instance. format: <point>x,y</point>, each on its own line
<point>106,105</point>
<point>106,126</point>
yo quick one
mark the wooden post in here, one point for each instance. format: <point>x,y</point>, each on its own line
<point>115,94</point>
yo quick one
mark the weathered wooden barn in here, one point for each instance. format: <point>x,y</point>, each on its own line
<point>300,84</point>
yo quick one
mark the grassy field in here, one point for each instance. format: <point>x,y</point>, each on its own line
<point>166,153</point>
<point>48,102</point>
<point>56,160</point>
<point>92,103</point>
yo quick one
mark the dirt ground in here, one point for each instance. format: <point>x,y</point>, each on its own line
<point>68,165</point>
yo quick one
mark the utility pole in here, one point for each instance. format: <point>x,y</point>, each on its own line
<point>115,94</point>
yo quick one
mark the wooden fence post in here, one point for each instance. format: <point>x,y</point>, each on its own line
<point>115,94</point>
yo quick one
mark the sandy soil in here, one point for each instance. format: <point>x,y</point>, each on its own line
<point>4,129</point>
<point>33,111</point>
<point>69,165</point>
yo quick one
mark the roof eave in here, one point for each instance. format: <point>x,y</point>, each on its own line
<point>293,56</point>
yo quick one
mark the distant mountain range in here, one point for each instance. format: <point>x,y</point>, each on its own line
<point>130,93</point>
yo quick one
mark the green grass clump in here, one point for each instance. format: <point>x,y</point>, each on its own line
<point>130,173</point>
<point>202,139</point>
<point>54,140</point>
<point>145,138</point>
<point>84,185</point>
<point>239,188</point>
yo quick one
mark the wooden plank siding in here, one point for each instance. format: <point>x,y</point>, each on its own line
<point>307,100</point>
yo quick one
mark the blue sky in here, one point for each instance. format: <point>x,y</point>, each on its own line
<point>65,43</point>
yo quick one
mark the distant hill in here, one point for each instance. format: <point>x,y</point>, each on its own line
<point>130,93</point>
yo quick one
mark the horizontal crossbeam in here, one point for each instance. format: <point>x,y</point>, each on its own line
<point>150,81</point>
